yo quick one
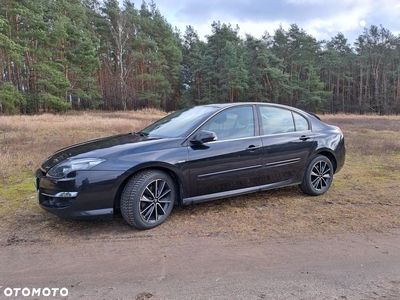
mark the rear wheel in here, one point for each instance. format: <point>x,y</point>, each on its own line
<point>318,177</point>
<point>147,199</point>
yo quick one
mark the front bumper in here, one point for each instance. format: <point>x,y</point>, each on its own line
<point>86,195</point>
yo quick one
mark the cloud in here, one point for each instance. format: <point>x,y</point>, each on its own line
<point>321,18</point>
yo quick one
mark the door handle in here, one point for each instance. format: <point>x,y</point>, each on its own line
<point>253,147</point>
<point>304,138</point>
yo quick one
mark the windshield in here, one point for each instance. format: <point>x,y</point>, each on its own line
<point>179,123</point>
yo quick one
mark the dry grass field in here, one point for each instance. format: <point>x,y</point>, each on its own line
<point>365,195</point>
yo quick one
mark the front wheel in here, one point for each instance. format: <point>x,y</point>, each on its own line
<point>318,176</point>
<point>147,199</point>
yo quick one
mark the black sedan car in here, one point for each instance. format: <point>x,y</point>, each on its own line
<point>192,155</point>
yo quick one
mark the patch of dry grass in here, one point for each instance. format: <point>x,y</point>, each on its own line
<point>27,140</point>
<point>369,135</point>
<point>365,195</point>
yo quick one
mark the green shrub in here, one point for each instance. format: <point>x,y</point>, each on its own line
<point>11,100</point>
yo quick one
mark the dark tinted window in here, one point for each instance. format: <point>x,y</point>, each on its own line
<point>179,123</point>
<point>301,122</point>
<point>276,120</point>
<point>232,123</point>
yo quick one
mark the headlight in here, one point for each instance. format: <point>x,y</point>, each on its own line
<point>68,166</point>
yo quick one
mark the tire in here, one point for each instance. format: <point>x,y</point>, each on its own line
<point>318,176</point>
<point>148,199</point>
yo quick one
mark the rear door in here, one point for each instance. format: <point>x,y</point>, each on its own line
<point>287,140</point>
<point>231,162</point>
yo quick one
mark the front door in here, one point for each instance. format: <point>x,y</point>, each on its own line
<point>231,162</point>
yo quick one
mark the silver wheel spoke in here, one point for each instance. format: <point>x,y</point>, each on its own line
<point>151,193</point>
<point>145,208</point>
<point>159,189</point>
<point>316,183</point>
<point>163,211</point>
<point>155,212</point>
<point>165,193</point>
<point>155,201</point>
<point>146,213</point>
<point>327,174</point>
<point>145,199</point>
<point>165,201</point>
<point>320,175</point>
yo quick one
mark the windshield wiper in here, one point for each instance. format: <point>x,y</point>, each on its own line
<point>142,134</point>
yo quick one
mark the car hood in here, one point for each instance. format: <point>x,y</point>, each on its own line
<point>97,148</point>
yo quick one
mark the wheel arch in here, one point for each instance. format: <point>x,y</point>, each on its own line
<point>175,177</point>
<point>330,156</point>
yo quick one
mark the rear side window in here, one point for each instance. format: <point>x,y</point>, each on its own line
<point>276,120</point>
<point>300,122</point>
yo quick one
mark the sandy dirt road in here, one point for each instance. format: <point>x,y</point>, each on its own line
<point>336,267</point>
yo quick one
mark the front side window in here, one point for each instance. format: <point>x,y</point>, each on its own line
<point>232,123</point>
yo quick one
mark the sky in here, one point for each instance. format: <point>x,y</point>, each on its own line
<point>322,19</point>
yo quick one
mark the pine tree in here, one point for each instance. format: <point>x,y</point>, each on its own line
<point>267,81</point>
<point>233,71</point>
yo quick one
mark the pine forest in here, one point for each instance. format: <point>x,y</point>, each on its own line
<point>57,55</point>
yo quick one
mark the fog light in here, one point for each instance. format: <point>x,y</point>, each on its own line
<point>66,195</point>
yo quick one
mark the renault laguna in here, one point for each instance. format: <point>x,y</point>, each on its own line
<point>196,154</point>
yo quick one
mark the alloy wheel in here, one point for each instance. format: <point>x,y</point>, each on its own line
<point>155,201</point>
<point>321,176</point>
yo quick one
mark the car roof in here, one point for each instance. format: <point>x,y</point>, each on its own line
<point>223,105</point>
<point>218,106</point>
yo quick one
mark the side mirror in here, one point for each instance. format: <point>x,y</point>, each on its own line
<point>204,136</point>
